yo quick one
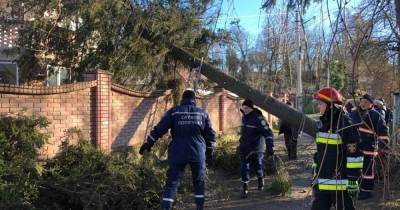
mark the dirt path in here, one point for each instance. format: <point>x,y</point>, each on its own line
<point>300,197</point>
<point>300,174</point>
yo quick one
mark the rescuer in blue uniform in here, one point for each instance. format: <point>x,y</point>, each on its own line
<point>374,138</point>
<point>192,143</point>
<point>256,138</point>
<point>338,162</point>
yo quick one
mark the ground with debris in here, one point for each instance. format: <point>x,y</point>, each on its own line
<point>301,195</point>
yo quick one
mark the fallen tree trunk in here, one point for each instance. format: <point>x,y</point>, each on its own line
<point>269,104</point>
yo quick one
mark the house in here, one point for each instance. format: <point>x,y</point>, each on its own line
<point>11,21</point>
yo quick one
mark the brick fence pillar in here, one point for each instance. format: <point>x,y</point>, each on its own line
<point>221,107</point>
<point>101,109</point>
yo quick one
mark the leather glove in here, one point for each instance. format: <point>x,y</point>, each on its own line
<point>352,188</point>
<point>146,147</point>
<point>209,156</point>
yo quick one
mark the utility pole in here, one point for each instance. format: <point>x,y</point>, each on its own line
<point>299,86</point>
<point>397,6</point>
<point>321,46</point>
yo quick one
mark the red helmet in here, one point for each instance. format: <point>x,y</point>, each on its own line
<point>328,95</point>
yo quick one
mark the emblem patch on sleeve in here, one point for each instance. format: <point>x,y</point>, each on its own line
<point>351,148</point>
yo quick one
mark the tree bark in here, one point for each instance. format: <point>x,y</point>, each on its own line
<point>269,104</point>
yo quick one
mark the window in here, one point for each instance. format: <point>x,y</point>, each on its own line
<point>9,72</point>
<point>58,75</point>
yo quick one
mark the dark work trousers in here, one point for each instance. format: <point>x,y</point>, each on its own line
<point>253,160</point>
<point>174,175</point>
<point>291,146</point>
<point>324,199</point>
<point>368,174</point>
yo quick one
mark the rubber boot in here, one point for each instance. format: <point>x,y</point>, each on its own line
<point>245,190</point>
<point>260,184</point>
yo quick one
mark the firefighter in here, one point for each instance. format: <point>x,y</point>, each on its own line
<point>290,133</point>
<point>192,144</point>
<point>374,138</point>
<point>256,138</point>
<point>378,106</point>
<point>349,106</point>
<point>388,114</point>
<point>337,161</point>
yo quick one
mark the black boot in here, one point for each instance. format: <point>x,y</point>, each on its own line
<point>199,207</point>
<point>245,190</point>
<point>260,184</point>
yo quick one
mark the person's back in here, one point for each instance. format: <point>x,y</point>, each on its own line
<point>189,132</point>
<point>192,140</point>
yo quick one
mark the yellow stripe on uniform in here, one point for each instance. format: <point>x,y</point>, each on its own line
<point>355,162</point>
<point>328,138</point>
<point>332,184</point>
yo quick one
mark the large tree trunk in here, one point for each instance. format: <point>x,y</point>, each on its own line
<point>270,104</point>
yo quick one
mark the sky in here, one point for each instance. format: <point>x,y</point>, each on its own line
<point>248,11</point>
<point>252,17</point>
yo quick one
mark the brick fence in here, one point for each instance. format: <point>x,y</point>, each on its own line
<point>109,115</point>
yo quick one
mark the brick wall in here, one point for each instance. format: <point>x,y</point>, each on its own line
<point>133,114</point>
<point>109,115</point>
<point>210,104</point>
<point>232,113</point>
<point>65,107</point>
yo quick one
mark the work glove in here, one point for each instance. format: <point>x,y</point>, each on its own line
<point>146,147</point>
<point>314,168</point>
<point>209,156</point>
<point>352,188</point>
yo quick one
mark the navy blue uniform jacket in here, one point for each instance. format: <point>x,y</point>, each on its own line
<point>373,127</point>
<point>191,132</point>
<point>255,133</point>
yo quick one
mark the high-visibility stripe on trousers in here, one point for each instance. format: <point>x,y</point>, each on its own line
<point>328,138</point>
<point>332,184</point>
